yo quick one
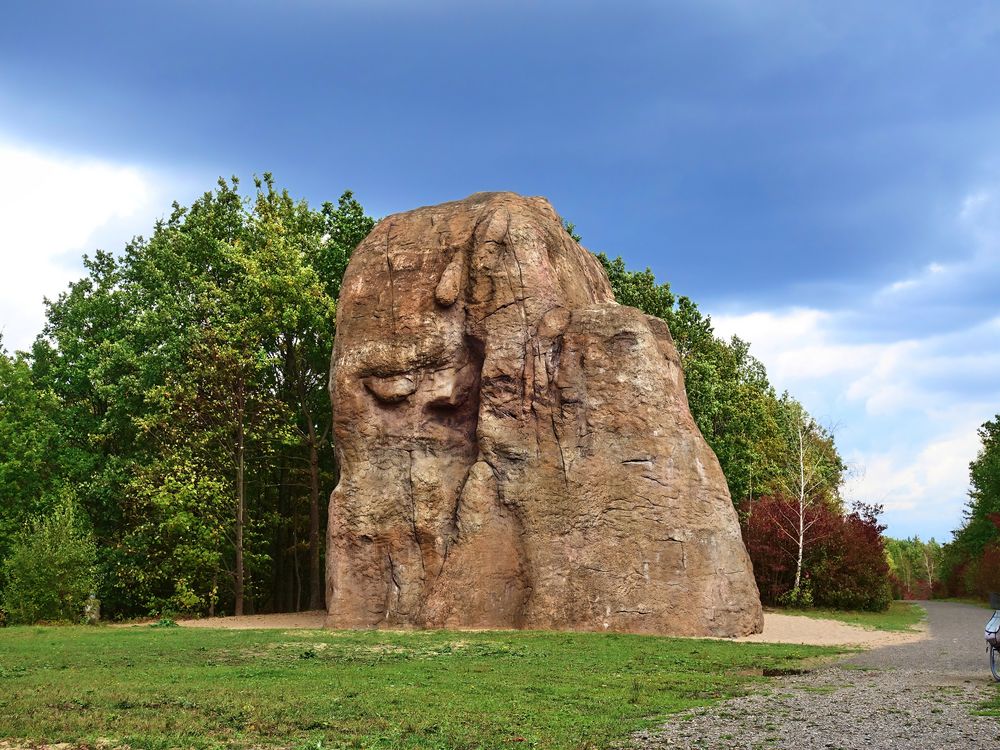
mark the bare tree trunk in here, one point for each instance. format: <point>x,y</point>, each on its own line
<point>215,588</point>
<point>802,509</point>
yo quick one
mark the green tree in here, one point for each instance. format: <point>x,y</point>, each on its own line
<point>916,565</point>
<point>971,561</point>
<point>344,226</point>
<point>30,449</point>
<point>980,525</point>
<point>248,294</point>
<point>188,380</point>
<point>811,477</point>
<point>51,569</point>
<point>90,361</point>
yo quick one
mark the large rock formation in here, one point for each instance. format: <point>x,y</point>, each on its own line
<point>516,449</point>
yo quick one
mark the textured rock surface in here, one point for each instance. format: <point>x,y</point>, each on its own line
<point>516,449</point>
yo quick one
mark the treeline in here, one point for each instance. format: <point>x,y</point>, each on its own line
<point>916,567</point>
<point>177,398</point>
<point>970,563</point>
<point>171,426</point>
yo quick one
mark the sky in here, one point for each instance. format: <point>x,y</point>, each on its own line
<point>822,178</point>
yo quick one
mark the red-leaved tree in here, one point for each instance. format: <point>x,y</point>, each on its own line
<point>844,563</point>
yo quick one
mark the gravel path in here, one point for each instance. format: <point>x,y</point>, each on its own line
<point>916,695</point>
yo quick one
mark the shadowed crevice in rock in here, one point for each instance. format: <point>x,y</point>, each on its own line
<point>516,449</point>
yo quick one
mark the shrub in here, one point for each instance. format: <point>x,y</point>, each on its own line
<point>848,564</point>
<point>799,597</point>
<point>772,552</point>
<point>844,561</point>
<point>52,569</point>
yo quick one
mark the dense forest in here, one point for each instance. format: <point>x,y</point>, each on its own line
<point>168,436</point>
<point>969,565</point>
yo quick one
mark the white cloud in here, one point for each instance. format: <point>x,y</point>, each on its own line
<point>924,492</point>
<point>910,405</point>
<point>973,204</point>
<point>51,207</point>
<point>931,274</point>
<point>899,286</point>
<point>802,344</point>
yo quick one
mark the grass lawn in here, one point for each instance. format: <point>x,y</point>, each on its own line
<point>179,687</point>
<point>900,616</point>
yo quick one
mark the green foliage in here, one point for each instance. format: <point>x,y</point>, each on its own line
<point>799,597</point>
<point>180,389</point>
<point>639,289</point>
<point>982,521</point>
<point>971,562</point>
<point>29,445</point>
<point>51,569</point>
<point>344,226</point>
<point>571,231</point>
<point>916,566</point>
<point>197,688</point>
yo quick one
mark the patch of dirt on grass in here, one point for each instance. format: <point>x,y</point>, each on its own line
<point>312,620</point>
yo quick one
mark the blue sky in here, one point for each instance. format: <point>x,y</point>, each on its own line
<point>823,178</point>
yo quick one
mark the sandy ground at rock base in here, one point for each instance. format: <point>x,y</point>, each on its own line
<point>778,628</point>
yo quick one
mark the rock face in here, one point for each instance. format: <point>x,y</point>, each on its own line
<point>516,449</point>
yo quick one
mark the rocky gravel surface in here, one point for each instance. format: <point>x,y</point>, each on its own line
<point>918,695</point>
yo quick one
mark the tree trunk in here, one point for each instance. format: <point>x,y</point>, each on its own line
<point>802,510</point>
<point>315,574</point>
<point>279,549</point>
<point>295,563</point>
<point>240,512</point>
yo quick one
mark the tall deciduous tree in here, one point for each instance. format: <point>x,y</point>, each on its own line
<point>971,562</point>
<point>812,477</point>
<point>187,384</point>
<point>259,316</point>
